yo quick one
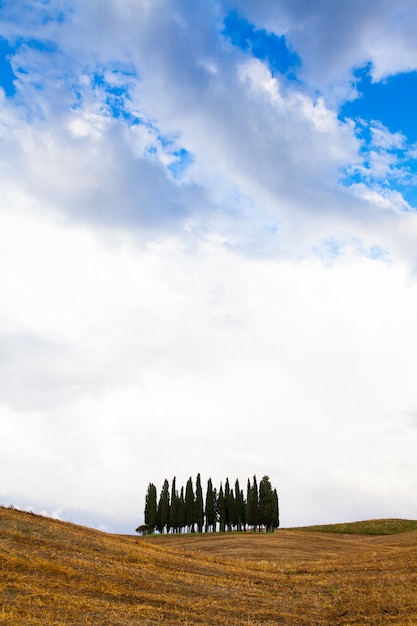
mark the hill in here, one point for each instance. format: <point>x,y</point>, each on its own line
<point>368,527</point>
<point>59,573</point>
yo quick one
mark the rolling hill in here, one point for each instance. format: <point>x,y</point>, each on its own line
<point>58,573</point>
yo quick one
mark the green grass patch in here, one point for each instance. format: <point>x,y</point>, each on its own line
<point>368,527</point>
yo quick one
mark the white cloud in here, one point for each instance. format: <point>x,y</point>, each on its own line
<point>169,362</point>
<point>332,40</point>
<point>383,138</point>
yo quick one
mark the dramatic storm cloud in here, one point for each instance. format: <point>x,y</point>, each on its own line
<point>208,253</point>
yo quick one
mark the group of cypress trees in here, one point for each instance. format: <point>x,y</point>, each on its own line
<point>224,509</point>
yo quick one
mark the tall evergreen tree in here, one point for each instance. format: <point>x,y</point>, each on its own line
<point>189,505</point>
<point>182,515</point>
<point>220,508</point>
<point>239,517</point>
<point>253,504</point>
<point>151,507</point>
<point>227,503</point>
<point>249,508</point>
<point>244,510</point>
<point>276,509</point>
<point>232,509</point>
<point>210,508</point>
<point>163,508</point>
<point>174,512</point>
<point>267,514</point>
<point>199,505</point>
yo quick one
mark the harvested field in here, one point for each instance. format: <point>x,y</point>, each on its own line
<point>59,573</point>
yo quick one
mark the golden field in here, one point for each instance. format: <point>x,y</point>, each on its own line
<point>56,573</point>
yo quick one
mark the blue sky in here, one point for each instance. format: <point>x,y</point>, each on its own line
<point>261,44</point>
<point>389,104</point>
<point>389,101</point>
<point>208,249</point>
<point>6,72</point>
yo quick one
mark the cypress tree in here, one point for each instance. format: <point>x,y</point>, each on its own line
<point>244,508</point>
<point>232,508</point>
<point>239,507</point>
<point>215,518</point>
<point>227,502</point>
<point>253,504</point>
<point>181,507</point>
<point>189,505</point>
<point>249,507</point>
<point>266,504</point>
<point>210,508</point>
<point>221,509</point>
<point>174,512</point>
<point>199,505</point>
<point>163,508</point>
<point>151,507</point>
<point>276,509</point>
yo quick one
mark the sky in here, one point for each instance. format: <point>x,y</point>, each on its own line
<point>208,254</point>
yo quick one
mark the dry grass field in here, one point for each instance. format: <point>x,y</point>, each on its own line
<point>55,573</point>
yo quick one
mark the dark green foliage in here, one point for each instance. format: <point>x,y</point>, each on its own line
<point>199,505</point>
<point>182,509</point>
<point>175,510</point>
<point>248,503</point>
<point>225,509</point>
<point>163,508</point>
<point>221,510</point>
<point>268,505</point>
<point>276,508</point>
<point>253,504</point>
<point>189,505</point>
<point>151,507</point>
<point>240,508</point>
<point>210,508</point>
<point>232,510</point>
<point>143,529</point>
<point>227,505</point>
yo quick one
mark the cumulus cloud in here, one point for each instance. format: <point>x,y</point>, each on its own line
<point>334,38</point>
<point>101,136</point>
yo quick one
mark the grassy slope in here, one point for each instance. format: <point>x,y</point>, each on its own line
<point>58,573</point>
<point>368,527</point>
